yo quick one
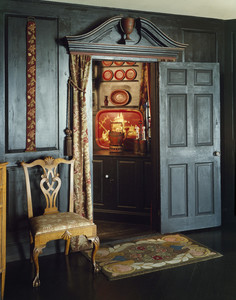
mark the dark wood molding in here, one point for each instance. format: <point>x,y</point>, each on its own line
<point>147,40</point>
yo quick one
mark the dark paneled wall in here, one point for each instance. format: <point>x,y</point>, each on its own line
<point>206,39</point>
<point>54,21</point>
<point>47,104</point>
<point>228,110</point>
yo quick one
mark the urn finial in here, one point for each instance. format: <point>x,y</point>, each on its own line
<point>127,26</point>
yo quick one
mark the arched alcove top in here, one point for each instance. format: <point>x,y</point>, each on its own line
<point>109,38</point>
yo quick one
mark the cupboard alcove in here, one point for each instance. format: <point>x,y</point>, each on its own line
<point>173,184</point>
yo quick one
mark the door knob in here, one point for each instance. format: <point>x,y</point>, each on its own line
<point>108,177</point>
<point>216,153</point>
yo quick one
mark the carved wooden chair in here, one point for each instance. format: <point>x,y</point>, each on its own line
<point>54,225</point>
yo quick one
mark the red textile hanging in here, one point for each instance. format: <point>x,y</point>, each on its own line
<point>31,86</point>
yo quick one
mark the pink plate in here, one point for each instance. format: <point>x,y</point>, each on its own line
<point>130,63</point>
<point>107,75</point>
<point>130,74</point>
<point>119,74</point>
<point>119,97</point>
<point>107,63</point>
<point>118,63</point>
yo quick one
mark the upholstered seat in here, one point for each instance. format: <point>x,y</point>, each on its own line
<point>54,225</point>
<point>57,222</point>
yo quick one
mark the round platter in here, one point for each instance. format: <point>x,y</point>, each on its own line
<point>130,63</point>
<point>118,63</point>
<point>107,75</point>
<point>119,97</point>
<point>130,74</point>
<point>119,74</point>
<point>107,63</point>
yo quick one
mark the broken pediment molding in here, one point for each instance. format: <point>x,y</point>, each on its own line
<point>111,38</point>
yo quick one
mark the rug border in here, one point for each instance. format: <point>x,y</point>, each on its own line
<point>133,239</point>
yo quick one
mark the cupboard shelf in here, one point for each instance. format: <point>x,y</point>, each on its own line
<point>119,81</point>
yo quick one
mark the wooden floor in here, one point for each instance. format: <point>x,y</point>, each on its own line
<point>65,278</point>
<point>110,231</point>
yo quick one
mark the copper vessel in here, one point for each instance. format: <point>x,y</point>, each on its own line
<point>116,137</point>
<point>127,26</point>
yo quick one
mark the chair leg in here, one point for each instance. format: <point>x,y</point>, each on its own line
<point>67,247</point>
<point>96,243</point>
<point>31,247</point>
<point>36,252</point>
<point>3,276</point>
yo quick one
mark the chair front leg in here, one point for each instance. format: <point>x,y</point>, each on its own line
<point>96,243</point>
<point>67,236</point>
<point>36,252</point>
<point>31,247</point>
<point>67,247</point>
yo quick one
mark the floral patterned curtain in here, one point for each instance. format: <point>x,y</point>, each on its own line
<point>79,71</point>
<point>144,100</point>
<point>144,86</point>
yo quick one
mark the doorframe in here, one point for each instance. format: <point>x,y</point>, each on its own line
<point>149,43</point>
<point>155,201</point>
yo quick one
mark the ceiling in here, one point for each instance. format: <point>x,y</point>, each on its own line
<point>219,9</point>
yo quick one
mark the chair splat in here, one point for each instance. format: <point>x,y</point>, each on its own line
<point>50,185</point>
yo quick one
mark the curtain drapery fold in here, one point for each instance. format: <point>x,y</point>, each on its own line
<point>144,86</point>
<point>144,100</point>
<point>79,71</point>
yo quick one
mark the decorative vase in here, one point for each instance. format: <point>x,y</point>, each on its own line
<point>142,147</point>
<point>136,146</point>
<point>116,141</point>
<point>106,101</point>
<point>116,137</point>
<point>127,26</point>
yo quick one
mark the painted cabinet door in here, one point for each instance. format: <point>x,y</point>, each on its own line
<point>189,104</point>
<point>122,188</point>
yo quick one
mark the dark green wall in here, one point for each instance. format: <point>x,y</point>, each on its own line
<point>54,21</point>
<point>228,109</point>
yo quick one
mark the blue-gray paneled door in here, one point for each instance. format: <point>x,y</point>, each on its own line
<point>189,103</point>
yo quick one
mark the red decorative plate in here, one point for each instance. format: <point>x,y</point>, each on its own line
<point>107,75</point>
<point>119,97</point>
<point>129,117</point>
<point>130,74</point>
<point>107,63</point>
<point>130,63</point>
<point>119,74</point>
<point>118,63</point>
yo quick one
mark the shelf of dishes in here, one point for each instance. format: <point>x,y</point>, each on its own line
<point>110,63</point>
<point>116,81</point>
<point>119,75</point>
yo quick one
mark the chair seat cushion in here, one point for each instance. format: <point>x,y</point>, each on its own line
<point>56,222</point>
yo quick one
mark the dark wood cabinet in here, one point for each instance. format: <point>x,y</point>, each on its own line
<point>122,186</point>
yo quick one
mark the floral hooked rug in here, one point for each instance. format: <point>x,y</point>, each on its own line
<point>150,254</point>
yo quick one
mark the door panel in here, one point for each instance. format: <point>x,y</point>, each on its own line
<point>203,120</point>
<point>127,179</point>
<point>189,105</point>
<point>98,181</point>
<point>204,188</point>
<point>178,205</point>
<point>177,120</point>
